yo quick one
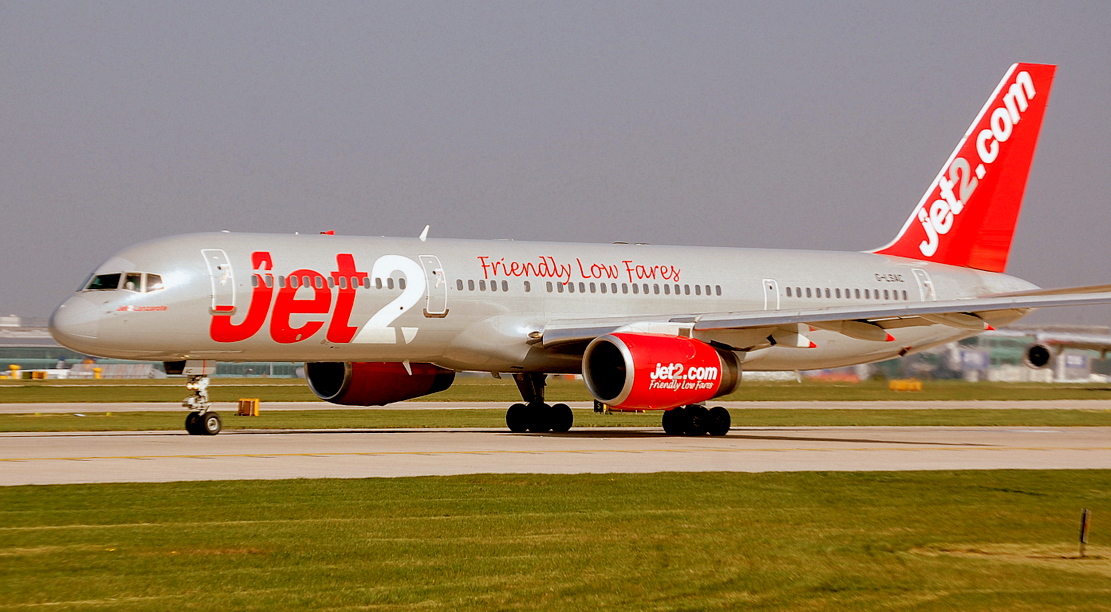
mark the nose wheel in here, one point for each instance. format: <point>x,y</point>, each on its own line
<point>695,420</point>
<point>202,421</point>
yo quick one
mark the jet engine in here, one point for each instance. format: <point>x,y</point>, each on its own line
<point>1039,356</point>
<point>375,383</point>
<point>628,371</point>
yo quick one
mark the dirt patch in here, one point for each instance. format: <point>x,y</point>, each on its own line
<point>1097,559</point>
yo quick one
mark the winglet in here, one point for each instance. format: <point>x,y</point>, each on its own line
<point>967,217</point>
<point>424,233</point>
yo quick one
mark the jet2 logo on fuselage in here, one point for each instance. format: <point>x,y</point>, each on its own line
<point>281,303</point>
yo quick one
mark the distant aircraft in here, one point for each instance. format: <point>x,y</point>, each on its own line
<point>1048,345</point>
<point>380,320</point>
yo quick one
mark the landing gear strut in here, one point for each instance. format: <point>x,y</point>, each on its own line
<point>534,415</point>
<point>695,420</point>
<point>201,421</point>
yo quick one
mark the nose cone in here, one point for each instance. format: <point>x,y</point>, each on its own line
<point>75,323</point>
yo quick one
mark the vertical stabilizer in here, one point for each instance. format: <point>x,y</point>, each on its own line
<point>968,215</point>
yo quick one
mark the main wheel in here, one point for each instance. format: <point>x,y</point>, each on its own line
<point>193,423</point>
<point>719,421</point>
<point>517,418</point>
<point>697,420</point>
<point>674,420</point>
<point>210,423</point>
<point>562,418</point>
<point>540,419</point>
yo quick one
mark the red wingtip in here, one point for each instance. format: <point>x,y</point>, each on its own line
<point>988,327</point>
<point>889,338</point>
<point>812,345</point>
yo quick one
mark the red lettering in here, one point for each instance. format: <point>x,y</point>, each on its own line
<point>339,331</point>
<point>223,330</point>
<point>287,304</point>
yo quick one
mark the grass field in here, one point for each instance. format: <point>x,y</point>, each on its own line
<point>504,390</point>
<point>495,419</point>
<point>982,540</point>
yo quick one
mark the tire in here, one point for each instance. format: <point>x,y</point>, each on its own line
<point>673,421</point>
<point>719,421</point>
<point>193,423</point>
<point>698,419</point>
<point>562,418</point>
<point>540,418</point>
<point>210,423</point>
<point>517,418</point>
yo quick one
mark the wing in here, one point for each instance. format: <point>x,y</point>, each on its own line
<point>863,321</point>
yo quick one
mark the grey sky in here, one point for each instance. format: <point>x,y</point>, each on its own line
<point>795,125</point>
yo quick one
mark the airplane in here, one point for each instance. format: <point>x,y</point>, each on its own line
<point>669,328</point>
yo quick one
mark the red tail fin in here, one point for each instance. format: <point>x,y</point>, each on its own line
<point>968,216</point>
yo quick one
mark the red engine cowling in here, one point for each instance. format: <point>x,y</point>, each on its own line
<point>656,372</point>
<point>374,383</point>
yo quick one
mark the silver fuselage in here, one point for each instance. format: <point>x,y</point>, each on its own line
<point>449,314</point>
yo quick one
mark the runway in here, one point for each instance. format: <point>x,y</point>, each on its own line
<point>91,457</point>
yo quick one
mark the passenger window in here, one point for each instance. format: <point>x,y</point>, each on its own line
<point>470,285</point>
<point>867,295</point>
<point>482,285</point>
<point>331,283</point>
<point>602,287</point>
<point>570,287</point>
<point>886,295</point>
<point>582,287</point>
<point>366,282</point>
<point>342,282</point>
<point>549,284</point>
<point>294,282</point>
<point>698,290</point>
<point>837,292</point>
<point>459,285</point>
<point>505,285</point>
<point>401,283</point>
<point>656,289</point>
<point>904,295</point>
<point>592,287</point>
<point>808,292</point>
<point>798,291</point>
<point>667,289</point>
<point>267,280</point>
<point>718,289</point>
<point>281,282</point>
<point>559,287</point>
<point>528,287</point>
<point>645,286</point>
<point>636,288</point>
<point>708,290</point>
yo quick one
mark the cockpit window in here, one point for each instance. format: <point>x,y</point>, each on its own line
<point>154,282</point>
<point>133,281</point>
<point>104,281</point>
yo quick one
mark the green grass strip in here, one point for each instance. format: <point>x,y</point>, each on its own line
<point>470,389</point>
<point>495,419</point>
<point>974,540</point>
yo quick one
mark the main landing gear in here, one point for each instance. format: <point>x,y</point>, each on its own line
<point>201,421</point>
<point>534,415</point>
<point>695,420</point>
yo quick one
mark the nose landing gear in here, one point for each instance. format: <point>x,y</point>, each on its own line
<point>201,421</point>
